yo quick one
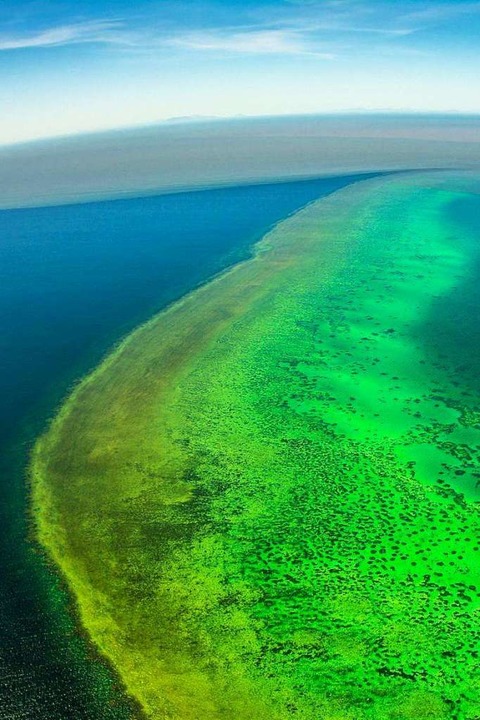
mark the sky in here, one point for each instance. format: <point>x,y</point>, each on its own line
<point>68,67</point>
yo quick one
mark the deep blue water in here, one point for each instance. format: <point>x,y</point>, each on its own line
<point>74,280</point>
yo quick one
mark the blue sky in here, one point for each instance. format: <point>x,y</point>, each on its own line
<point>68,67</point>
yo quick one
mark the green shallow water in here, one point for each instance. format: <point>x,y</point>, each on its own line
<point>290,528</point>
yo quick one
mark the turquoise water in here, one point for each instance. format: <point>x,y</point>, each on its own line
<point>451,333</point>
<point>74,280</point>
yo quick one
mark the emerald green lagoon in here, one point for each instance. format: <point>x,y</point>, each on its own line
<point>265,500</point>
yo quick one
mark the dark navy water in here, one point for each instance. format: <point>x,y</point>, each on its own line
<point>74,280</point>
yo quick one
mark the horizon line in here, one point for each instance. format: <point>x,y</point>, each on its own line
<point>213,119</point>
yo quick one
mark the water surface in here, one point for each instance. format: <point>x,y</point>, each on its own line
<point>75,279</point>
<point>280,475</point>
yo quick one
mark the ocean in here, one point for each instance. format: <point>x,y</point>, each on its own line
<point>75,279</point>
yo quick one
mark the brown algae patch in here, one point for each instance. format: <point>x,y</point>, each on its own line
<point>258,499</point>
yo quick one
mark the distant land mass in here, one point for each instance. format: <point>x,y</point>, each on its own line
<point>185,155</point>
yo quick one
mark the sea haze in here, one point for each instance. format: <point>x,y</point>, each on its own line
<point>176,156</point>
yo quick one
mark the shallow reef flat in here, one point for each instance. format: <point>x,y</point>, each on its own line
<point>265,500</point>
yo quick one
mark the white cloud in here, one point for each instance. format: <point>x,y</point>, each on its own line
<point>298,32</point>
<point>336,28</point>
<point>88,32</point>
<point>389,18</point>
<point>270,42</point>
<point>259,41</point>
<point>435,12</point>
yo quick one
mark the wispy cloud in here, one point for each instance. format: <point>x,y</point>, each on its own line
<point>250,41</point>
<point>340,28</point>
<point>106,31</point>
<point>271,42</point>
<point>317,28</point>
<point>433,12</point>
<point>376,17</point>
